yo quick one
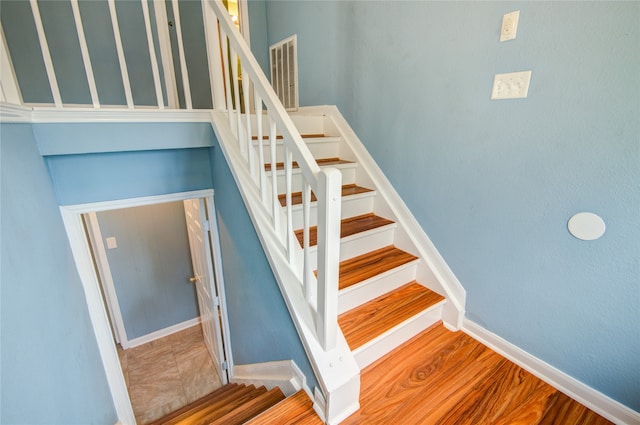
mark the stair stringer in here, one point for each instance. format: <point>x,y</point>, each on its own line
<point>336,371</point>
<point>410,236</point>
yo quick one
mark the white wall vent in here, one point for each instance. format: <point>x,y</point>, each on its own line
<point>283,59</point>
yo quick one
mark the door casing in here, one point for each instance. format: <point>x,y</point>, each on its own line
<point>81,250</point>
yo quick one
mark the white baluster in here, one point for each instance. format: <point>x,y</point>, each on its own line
<point>8,82</point>
<point>46,54</point>
<point>306,214</point>
<point>121,58</point>
<point>227,77</point>
<point>246,84</point>
<point>183,63</point>
<point>288,171</point>
<point>275,206</point>
<point>85,54</point>
<point>263,174</point>
<point>164,42</point>
<point>152,54</point>
<point>236,97</point>
<point>212,41</point>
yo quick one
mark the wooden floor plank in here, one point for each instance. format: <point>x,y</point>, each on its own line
<point>369,320</point>
<point>347,190</point>
<point>442,377</point>
<point>363,267</point>
<point>348,227</point>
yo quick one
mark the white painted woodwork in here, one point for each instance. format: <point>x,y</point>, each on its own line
<point>348,172</point>
<point>86,59</point>
<point>121,59</point>
<point>71,216</point>
<point>376,286</point>
<point>186,88</point>
<point>152,54</point>
<point>9,88</point>
<point>212,42</point>
<point>409,236</point>
<point>106,279</point>
<point>320,147</point>
<point>198,233</point>
<point>352,205</point>
<point>284,374</point>
<point>360,243</point>
<point>46,54</point>
<point>383,344</point>
<point>166,56</point>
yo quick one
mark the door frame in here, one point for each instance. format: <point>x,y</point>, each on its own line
<point>81,250</point>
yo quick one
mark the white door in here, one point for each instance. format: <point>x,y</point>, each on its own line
<point>208,301</point>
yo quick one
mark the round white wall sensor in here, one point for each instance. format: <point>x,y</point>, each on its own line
<point>586,226</point>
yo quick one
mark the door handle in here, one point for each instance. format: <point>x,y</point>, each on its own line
<point>193,279</point>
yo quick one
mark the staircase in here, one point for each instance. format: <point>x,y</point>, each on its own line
<point>383,298</point>
<point>235,404</point>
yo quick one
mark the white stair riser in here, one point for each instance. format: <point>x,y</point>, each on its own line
<point>396,336</point>
<point>306,124</point>
<point>348,177</point>
<point>361,243</point>
<point>329,149</point>
<point>376,286</point>
<point>351,206</point>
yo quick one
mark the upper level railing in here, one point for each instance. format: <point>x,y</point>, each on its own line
<point>256,118</point>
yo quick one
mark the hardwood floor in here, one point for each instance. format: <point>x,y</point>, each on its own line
<point>442,377</point>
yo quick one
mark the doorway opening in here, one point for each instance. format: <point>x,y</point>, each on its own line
<point>201,225</point>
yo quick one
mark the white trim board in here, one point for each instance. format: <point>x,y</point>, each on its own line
<point>72,219</point>
<point>593,399</point>
<point>284,374</point>
<point>161,333</point>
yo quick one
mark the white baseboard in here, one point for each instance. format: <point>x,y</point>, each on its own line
<point>593,399</point>
<point>160,333</point>
<point>284,374</point>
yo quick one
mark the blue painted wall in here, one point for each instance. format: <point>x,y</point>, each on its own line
<point>150,266</point>
<point>79,179</point>
<point>51,367</point>
<point>494,183</point>
<point>258,33</point>
<point>261,328</point>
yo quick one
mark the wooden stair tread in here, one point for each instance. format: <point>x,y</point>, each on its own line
<point>197,404</point>
<point>218,407</point>
<point>280,137</point>
<point>377,316</point>
<point>251,408</point>
<point>347,190</point>
<point>348,226</point>
<point>358,269</point>
<point>321,162</point>
<point>295,409</point>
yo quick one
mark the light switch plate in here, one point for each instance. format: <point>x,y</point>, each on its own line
<point>513,85</point>
<point>111,242</point>
<point>509,28</point>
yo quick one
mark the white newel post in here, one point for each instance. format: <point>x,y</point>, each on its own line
<point>329,204</point>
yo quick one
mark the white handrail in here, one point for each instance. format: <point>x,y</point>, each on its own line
<point>325,183</point>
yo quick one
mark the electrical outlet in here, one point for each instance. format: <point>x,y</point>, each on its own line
<point>513,85</point>
<point>509,28</point>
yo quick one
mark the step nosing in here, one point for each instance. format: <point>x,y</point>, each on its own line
<point>382,275</point>
<point>398,326</point>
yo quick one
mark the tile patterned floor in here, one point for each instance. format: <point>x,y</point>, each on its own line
<point>168,373</point>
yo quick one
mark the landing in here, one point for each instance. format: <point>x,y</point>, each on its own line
<point>442,377</point>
